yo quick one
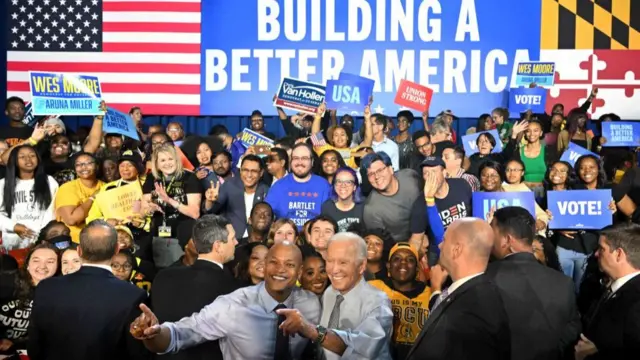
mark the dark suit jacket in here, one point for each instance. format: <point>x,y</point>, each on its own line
<point>615,327</point>
<point>85,315</point>
<point>470,324</point>
<point>541,306</point>
<point>230,203</point>
<point>178,292</point>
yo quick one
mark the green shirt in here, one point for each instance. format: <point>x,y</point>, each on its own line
<point>505,131</point>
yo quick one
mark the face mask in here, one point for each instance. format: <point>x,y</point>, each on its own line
<point>62,242</point>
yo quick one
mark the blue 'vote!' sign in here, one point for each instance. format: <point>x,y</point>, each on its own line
<point>347,95</point>
<point>523,99</point>
<point>470,146</point>
<point>573,153</point>
<point>579,209</point>
<point>484,201</point>
<point>621,133</point>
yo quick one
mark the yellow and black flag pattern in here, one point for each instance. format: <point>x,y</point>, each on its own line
<point>590,24</point>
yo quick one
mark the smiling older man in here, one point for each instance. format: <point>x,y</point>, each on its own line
<point>356,320</point>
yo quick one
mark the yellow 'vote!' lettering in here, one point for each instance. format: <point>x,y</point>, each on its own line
<point>46,84</point>
<point>542,69</point>
<point>91,85</point>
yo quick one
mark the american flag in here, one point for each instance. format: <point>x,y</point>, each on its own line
<point>146,53</point>
<point>317,139</point>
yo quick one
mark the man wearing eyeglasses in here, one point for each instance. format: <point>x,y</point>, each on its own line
<point>396,201</point>
<point>299,195</point>
<point>235,198</point>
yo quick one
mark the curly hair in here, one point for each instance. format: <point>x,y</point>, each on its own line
<point>602,176</point>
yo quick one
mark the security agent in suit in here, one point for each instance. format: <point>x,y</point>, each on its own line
<point>540,302</point>
<point>86,315</point>
<point>228,199</point>
<point>612,326</point>
<point>178,292</point>
<point>468,320</point>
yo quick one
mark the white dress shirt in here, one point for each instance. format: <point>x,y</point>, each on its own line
<point>456,284</point>
<point>616,285</point>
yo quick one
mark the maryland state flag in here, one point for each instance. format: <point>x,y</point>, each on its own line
<point>594,43</point>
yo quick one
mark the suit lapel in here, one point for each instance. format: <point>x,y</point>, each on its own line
<point>439,310</point>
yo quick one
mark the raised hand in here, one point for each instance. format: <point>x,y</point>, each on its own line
<point>430,186</point>
<point>162,194</point>
<point>519,127</point>
<point>39,132</point>
<point>321,109</point>
<point>24,232</point>
<point>213,191</point>
<point>145,326</point>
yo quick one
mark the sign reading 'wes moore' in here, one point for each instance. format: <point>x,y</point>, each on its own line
<point>65,94</point>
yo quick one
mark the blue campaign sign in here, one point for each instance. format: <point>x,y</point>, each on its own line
<point>251,138</point>
<point>621,133</point>
<point>541,73</point>
<point>574,152</point>
<point>523,99</point>
<point>469,142</point>
<point>300,95</point>
<point>119,123</point>
<point>346,95</point>
<point>454,47</point>
<point>579,209</point>
<point>484,201</point>
<point>64,94</point>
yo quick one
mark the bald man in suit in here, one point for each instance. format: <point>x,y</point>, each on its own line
<point>467,319</point>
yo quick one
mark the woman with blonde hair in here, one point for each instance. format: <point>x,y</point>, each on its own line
<point>281,230</point>
<point>171,196</point>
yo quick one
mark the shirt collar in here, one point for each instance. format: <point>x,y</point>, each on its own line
<point>456,284</point>
<point>384,140</point>
<point>105,267</point>
<point>211,261</point>
<point>616,285</point>
<point>269,303</point>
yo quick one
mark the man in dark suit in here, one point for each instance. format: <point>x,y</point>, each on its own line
<point>230,199</point>
<point>540,302</point>
<point>178,292</point>
<point>468,320</point>
<point>86,315</point>
<point>612,327</point>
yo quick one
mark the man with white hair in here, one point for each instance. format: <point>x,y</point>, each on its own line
<point>357,320</point>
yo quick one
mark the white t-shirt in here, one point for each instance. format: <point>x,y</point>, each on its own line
<point>248,205</point>
<point>25,212</point>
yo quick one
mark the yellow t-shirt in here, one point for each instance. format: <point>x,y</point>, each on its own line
<point>74,193</point>
<point>409,314</point>
<point>346,154</point>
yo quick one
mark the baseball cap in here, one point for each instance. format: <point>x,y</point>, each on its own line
<point>448,112</point>
<point>404,246</point>
<point>131,156</point>
<point>432,161</point>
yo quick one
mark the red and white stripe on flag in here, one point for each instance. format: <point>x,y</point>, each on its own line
<point>150,57</point>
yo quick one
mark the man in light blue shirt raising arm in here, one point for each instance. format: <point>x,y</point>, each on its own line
<point>357,320</point>
<point>244,321</point>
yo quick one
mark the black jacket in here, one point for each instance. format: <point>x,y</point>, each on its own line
<point>541,306</point>
<point>178,292</point>
<point>85,315</point>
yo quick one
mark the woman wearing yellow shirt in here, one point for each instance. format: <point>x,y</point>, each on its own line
<point>340,137</point>
<point>74,199</point>
<point>409,297</point>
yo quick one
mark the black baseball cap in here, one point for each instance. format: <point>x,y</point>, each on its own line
<point>432,161</point>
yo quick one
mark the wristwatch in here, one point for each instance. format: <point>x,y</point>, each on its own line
<point>322,333</point>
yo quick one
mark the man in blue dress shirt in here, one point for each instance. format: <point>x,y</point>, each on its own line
<point>245,321</point>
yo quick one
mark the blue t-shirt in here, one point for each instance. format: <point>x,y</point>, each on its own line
<point>297,201</point>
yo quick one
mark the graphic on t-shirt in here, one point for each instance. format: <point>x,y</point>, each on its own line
<point>453,213</point>
<point>15,318</point>
<point>302,206</point>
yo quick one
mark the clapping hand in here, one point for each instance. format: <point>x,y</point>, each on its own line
<point>162,194</point>
<point>145,326</point>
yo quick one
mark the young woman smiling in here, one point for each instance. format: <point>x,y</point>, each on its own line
<point>26,201</point>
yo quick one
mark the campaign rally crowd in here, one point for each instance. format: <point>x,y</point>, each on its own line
<point>335,242</point>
